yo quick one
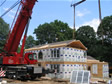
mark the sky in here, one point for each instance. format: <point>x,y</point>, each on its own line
<point>50,10</point>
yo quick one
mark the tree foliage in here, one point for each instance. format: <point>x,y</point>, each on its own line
<point>53,32</point>
<point>106,26</point>
<point>63,31</point>
<point>93,41</point>
<point>45,33</point>
<point>30,42</point>
<point>86,35</point>
<point>4,30</point>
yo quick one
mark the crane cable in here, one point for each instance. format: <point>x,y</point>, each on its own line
<point>15,16</point>
<point>2,3</point>
<point>10,8</point>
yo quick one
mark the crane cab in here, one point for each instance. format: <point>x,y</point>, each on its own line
<point>18,59</point>
<point>31,58</point>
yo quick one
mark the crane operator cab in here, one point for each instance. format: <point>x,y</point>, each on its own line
<point>31,58</point>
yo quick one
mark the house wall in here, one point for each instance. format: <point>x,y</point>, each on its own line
<point>69,59</point>
<point>65,70</point>
<point>74,55</point>
<point>63,55</point>
<point>99,69</point>
<point>66,54</point>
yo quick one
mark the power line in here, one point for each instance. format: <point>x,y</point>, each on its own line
<point>2,3</point>
<point>10,8</point>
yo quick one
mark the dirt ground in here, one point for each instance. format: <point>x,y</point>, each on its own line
<point>37,81</point>
<point>49,81</point>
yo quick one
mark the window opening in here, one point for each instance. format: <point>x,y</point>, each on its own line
<point>85,54</point>
<point>34,56</point>
<point>55,66</point>
<point>30,56</point>
<point>40,55</point>
<point>55,53</point>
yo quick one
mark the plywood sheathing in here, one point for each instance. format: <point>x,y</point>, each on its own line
<point>65,62</point>
<point>70,43</point>
<point>99,67</point>
<point>77,44</point>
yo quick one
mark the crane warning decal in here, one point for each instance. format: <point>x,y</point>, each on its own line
<point>2,73</point>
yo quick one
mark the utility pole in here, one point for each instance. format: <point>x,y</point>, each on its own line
<point>74,5</point>
<point>100,18</point>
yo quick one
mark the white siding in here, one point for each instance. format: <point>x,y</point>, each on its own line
<point>105,70</point>
<point>66,54</point>
<point>74,55</point>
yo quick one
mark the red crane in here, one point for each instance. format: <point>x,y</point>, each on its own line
<point>18,64</point>
<point>19,27</point>
<point>11,56</point>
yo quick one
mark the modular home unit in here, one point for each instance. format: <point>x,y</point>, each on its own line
<point>64,57</point>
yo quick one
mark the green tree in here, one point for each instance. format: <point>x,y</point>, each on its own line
<point>86,35</point>
<point>53,32</point>
<point>4,30</point>
<point>63,31</point>
<point>45,33</point>
<point>102,53</point>
<point>30,42</point>
<point>106,26</point>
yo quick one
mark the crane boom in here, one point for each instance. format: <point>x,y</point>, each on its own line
<point>19,27</point>
<point>21,65</point>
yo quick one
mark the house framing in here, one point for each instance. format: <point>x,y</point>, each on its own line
<point>67,56</point>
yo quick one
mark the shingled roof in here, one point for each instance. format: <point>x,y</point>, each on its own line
<point>69,43</point>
